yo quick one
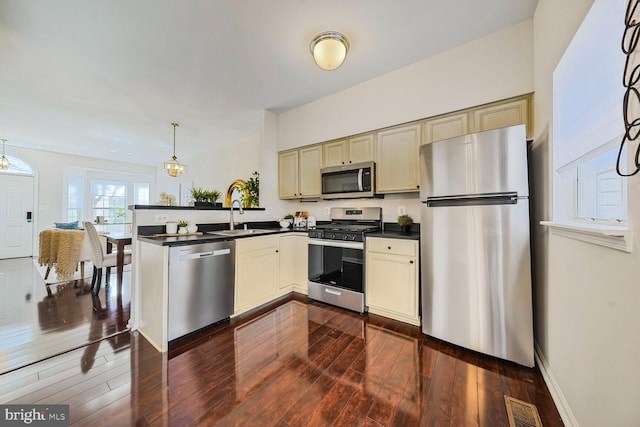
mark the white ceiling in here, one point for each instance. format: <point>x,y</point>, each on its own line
<point>106,78</point>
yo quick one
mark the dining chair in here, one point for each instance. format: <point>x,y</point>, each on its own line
<point>101,259</point>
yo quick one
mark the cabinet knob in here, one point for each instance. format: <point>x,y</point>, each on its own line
<point>411,262</point>
<point>277,251</point>
<point>417,186</point>
<point>342,163</point>
<point>349,161</point>
<point>389,247</point>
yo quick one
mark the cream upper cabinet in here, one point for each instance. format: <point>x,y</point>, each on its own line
<point>397,159</point>
<point>444,127</point>
<point>353,150</point>
<point>294,257</point>
<point>361,148</point>
<point>502,114</point>
<point>257,268</point>
<point>299,173</point>
<point>392,279</point>
<point>310,163</point>
<point>288,175</point>
<point>336,153</point>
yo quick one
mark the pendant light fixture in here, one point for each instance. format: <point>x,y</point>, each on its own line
<point>329,49</point>
<point>4,162</point>
<point>173,167</point>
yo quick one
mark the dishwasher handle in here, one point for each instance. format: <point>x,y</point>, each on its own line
<point>198,255</point>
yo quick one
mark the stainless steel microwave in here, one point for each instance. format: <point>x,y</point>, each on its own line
<point>349,181</point>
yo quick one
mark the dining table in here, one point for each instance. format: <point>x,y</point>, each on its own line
<point>120,240</point>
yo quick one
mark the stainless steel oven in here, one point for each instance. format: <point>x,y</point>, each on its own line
<point>336,257</point>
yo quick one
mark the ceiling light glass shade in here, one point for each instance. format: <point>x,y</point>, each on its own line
<point>173,167</point>
<point>329,49</point>
<point>4,162</point>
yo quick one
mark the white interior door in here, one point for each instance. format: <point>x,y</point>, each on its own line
<point>16,220</point>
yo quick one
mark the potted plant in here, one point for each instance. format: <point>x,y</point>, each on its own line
<point>213,196</point>
<point>251,195</point>
<point>405,221</point>
<point>202,197</point>
<point>182,226</point>
<point>286,221</point>
<point>199,196</point>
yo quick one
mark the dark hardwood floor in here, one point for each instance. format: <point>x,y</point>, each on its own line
<point>39,321</point>
<point>292,363</point>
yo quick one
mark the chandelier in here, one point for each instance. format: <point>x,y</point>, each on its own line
<point>4,162</point>
<point>172,167</point>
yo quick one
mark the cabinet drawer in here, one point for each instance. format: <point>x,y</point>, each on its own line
<point>256,243</point>
<point>392,246</point>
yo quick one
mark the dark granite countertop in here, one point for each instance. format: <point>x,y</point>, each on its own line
<point>208,238</point>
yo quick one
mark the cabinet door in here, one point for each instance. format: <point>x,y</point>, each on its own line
<point>397,154</point>
<point>361,149</point>
<point>256,274</point>
<point>309,176</point>
<point>502,115</point>
<point>288,175</point>
<point>392,286</point>
<point>293,263</point>
<point>446,127</point>
<point>335,153</point>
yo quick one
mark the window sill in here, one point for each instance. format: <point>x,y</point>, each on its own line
<point>611,236</point>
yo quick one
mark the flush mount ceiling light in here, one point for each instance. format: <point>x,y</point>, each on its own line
<point>173,167</point>
<point>4,162</point>
<point>329,49</point>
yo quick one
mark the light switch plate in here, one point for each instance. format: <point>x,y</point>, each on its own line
<point>401,210</point>
<point>327,210</point>
<point>161,218</point>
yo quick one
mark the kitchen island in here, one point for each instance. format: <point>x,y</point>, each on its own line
<point>262,273</point>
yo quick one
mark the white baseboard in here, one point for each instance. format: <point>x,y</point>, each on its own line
<point>554,388</point>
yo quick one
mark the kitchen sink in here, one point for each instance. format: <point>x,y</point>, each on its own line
<point>240,232</point>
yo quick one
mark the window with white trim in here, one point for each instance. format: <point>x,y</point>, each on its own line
<point>587,120</point>
<point>94,193</point>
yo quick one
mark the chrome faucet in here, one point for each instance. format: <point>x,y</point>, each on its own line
<point>231,224</point>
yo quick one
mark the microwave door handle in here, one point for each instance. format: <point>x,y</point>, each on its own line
<point>360,173</point>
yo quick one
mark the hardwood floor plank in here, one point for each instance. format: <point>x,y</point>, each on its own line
<point>464,401</point>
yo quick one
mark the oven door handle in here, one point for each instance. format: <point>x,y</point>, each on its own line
<point>337,243</point>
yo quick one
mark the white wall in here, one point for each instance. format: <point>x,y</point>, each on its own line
<point>216,168</point>
<point>492,68</point>
<point>50,182</point>
<point>587,316</point>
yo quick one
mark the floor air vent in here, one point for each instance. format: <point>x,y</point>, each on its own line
<point>521,414</point>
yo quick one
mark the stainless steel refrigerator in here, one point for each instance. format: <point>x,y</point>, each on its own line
<point>475,253</point>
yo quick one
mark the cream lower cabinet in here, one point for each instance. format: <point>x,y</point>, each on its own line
<point>294,257</point>
<point>392,279</point>
<point>257,272</point>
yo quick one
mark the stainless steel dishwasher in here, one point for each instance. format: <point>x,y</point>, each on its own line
<point>201,286</point>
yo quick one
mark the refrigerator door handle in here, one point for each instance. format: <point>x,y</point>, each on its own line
<point>510,198</point>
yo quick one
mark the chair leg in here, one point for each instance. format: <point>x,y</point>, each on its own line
<point>98,281</point>
<point>94,277</point>
<point>106,279</point>
<point>46,274</point>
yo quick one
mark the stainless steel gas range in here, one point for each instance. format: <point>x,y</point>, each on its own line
<point>336,257</point>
